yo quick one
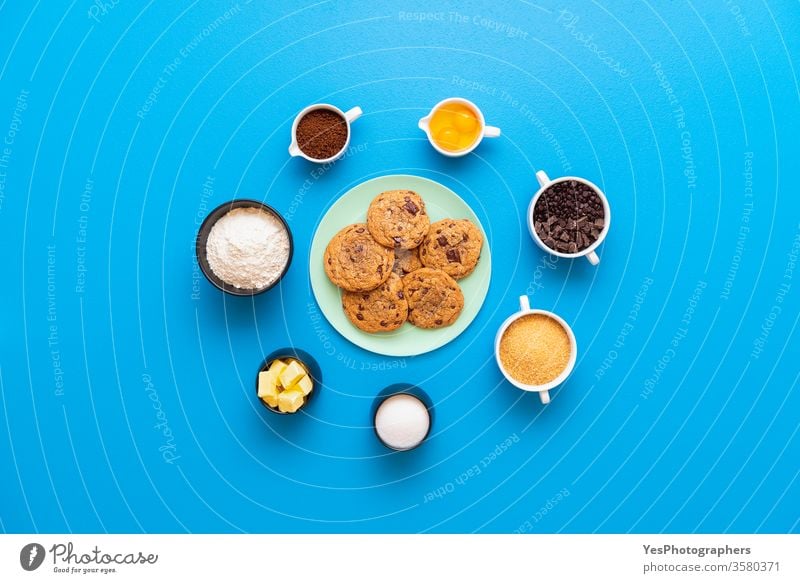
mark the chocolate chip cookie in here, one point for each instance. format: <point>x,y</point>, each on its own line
<point>434,298</point>
<point>452,245</point>
<point>355,261</point>
<point>381,310</point>
<point>406,261</point>
<point>397,219</point>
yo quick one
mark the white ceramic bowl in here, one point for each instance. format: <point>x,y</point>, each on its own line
<point>349,116</point>
<point>543,390</point>
<point>589,252</point>
<point>486,131</point>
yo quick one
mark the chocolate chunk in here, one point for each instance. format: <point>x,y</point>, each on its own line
<point>380,270</point>
<point>465,237</point>
<point>400,295</point>
<point>564,236</point>
<point>384,323</point>
<point>360,230</point>
<point>438,322</point>
<point>572,247</point>
<point>594,234</point>
<point>397,241</point>
<point>411,207</point>
<point>453,256</point>
<point>442,240</point>
<point>599,223</point>
<point>359,316</point>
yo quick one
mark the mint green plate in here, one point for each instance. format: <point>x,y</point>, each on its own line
<point>408,340</point>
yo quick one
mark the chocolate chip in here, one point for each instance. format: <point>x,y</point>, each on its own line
<point>380,270</point>
<point>397,241</point>
<point>384,323</point>
<point>358,248</point>
<point>438,322</point>
<point>442,240</point>
<point>360,230</point>
<point>411,207</point>
<point>400,295</point>
<point>453,256</point>
<point>359,316</point>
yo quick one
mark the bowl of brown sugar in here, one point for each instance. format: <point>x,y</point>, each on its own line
<point>535,350</point>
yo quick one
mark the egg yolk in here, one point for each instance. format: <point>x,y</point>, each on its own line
<point>454,127</point>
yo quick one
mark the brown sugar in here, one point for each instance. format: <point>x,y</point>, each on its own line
<point>535,349</point>
<point>321,133</point>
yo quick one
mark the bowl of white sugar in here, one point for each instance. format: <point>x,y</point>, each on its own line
<point>402,417</point>
<point>244,247</point>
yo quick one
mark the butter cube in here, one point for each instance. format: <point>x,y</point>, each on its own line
<point>277,367</point>
<point>268,387</point>
<point>290,400</point>
<point>291,374</point>
<point>305,384</point>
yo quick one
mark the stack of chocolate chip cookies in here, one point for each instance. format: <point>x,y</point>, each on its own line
<point>398,266</point>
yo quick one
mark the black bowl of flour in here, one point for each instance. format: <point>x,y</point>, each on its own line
<point>244,247</point>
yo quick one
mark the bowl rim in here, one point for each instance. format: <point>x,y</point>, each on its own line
<point>411,390</point>
<point>306,360</point>
<point>202,240</point>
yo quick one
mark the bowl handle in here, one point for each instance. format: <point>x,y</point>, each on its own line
<point>593,258</point>
<point>524,303</point>
<point>545,397</point>
<point>542,177</point>
<point>353,114</point>
<point>491,132</point>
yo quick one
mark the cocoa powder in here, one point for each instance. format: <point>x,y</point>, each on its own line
<point>321,133</point>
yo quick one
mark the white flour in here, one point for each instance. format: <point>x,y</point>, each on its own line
<point>248,248</point>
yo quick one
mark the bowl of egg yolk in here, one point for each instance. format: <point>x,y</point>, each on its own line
<point>455,127</point>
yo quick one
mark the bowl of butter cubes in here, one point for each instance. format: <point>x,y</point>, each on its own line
<point>287,380</point>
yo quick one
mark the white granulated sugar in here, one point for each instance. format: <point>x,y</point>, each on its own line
<point>248,248</point>
<point>402,421</point>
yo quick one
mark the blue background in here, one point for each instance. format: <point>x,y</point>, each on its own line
<point>682,413</point>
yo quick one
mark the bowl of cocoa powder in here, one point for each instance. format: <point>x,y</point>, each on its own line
<point>535,350</point>
<point>321,132</point>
